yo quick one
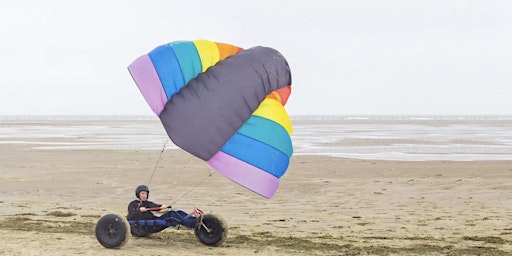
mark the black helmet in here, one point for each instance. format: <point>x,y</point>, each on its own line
<point>141,188</point>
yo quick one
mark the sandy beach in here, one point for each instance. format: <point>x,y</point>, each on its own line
<point>51,200</point>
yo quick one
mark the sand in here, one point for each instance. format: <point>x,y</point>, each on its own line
<point>51,200</point>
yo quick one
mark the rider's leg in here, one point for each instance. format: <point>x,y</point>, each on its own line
<point>179,217</point>
<point>167,215</point>
<point>187,219</point>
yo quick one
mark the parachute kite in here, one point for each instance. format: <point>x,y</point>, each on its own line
<point>224,105</point>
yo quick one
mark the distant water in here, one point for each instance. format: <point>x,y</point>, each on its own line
<point>410,138</point>
<point>466,138</point>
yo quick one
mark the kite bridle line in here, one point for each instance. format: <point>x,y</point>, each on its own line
<point>190,190</point>
<point>158,161</point>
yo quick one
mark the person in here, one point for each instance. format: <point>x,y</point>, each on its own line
<point>138,209</point>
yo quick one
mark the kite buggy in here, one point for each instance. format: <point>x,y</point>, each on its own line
<point>224,105</point>
<point>112,230</point>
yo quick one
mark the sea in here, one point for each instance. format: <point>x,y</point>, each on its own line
<point>404,138</point>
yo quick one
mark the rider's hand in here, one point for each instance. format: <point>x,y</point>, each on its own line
<point>142,209</point>
<point>164,206</point>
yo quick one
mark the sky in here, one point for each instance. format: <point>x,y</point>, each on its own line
<point>368,57</point>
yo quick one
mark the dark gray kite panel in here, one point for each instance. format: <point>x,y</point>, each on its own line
<point>208,110</point>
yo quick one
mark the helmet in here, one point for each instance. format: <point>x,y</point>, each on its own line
<point>141,188</point>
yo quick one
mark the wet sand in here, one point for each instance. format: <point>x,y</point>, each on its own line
<point>51,200</point>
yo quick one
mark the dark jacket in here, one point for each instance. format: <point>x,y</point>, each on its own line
<point>134,212</point>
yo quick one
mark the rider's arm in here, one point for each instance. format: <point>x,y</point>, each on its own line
<point>137,206</point>
<point>133,209</point>
<point>150,204</point>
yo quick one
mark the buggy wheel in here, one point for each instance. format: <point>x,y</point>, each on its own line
<point>212,230</point>
<point>112,231</point>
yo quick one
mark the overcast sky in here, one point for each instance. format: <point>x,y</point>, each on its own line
<point>369,57</point>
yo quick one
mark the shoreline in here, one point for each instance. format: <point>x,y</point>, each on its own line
<point>411,140</point>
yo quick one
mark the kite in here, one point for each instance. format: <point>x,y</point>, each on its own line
<point>224,105</point>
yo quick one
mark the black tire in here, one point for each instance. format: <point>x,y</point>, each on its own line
<point>112,231</point>
<point>216,230</point>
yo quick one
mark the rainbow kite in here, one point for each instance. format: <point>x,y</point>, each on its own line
<point>224,105</point>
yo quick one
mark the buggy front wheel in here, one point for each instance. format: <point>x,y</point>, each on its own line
<point>212,230</point>
<point>112,231</point>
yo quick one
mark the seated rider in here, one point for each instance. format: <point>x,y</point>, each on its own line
<point>138,208</point>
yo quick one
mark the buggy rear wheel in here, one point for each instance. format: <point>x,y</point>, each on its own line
<point>112,231</point>
<point>212,230</point>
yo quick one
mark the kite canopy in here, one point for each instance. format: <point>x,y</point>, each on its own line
<point>224,105</point>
